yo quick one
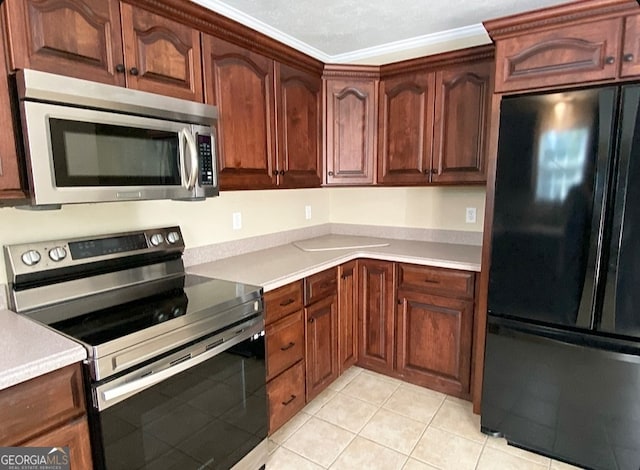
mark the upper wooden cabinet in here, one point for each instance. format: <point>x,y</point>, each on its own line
<point>570,44</point>
<point>433,117</point>
<point>351,109</point>
<point>299,119</point>
<point>85,38</point>
<point>461,124</point>
<point>405,128</point>
<point>242,83</point>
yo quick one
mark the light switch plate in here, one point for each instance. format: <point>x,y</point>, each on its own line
<point>237,220</point>
<point>471,215</point>
<point>307,212</point>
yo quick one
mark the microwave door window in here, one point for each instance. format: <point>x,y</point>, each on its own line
<point>94,154</point>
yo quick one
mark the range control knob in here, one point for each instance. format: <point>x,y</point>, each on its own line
<point>173,237</point>
<point>157,239</point>
<point>30,257</point>
<point>57,254</point>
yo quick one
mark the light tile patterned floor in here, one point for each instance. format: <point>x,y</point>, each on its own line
<point>365,420</point>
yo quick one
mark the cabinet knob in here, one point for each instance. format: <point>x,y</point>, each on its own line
<point>610,60</point>
<point>120,68</point>
<point>311,320</point>
<point>134,71</point>
<point>434,171</point>
<point>426,171</point>
<point>330,173</point>
<point>275,172</point>
<point>627,57</point>
<point>281,172</point>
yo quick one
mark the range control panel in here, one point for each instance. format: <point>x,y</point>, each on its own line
<point>54,254</point>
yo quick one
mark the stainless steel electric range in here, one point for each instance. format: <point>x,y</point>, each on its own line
<point>175,374</point>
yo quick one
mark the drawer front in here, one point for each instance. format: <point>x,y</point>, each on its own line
<point>281,302</point>
<point>320,285</point>
<point>285,343</point>
<point>29,408</point>
<point>445,282</point>
<point>286,396</point>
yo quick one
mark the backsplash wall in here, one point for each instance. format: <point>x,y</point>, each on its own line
<point>263,212</point>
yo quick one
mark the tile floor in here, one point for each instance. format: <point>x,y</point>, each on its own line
<point>365,420</point>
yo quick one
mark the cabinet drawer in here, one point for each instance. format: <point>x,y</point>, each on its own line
<point>320,285</point>
<point>285,343</point>
<point>445,282</point>
<point>281,302</point>
<point>286,396</point>
<point>32,407</point>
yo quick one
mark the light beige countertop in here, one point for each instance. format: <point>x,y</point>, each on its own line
<point>275,267</point>
<point>28,349</point>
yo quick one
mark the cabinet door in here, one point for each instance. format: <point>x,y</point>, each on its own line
<point>405,129</point>
<point>299,118</point>
<point>322,345</point>
<point>631,47</point>
<point>161,55</point>
<point>79,38</point>
<point>560,56</point>
<point>463,109</point>
<point>75,435</point>
<point>240,83</point>
<point>351,122</point>
<point>10,186</point>
<point>376,315</point>
<point>347,316</point>
<point>434,342</point>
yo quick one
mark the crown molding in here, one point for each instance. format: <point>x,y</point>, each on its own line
<point>398,50</point>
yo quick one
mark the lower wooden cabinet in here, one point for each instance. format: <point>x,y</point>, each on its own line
<point>376,315</point>
<point>321,341</point>
<point>347,315</point>
<point>48,411</point>
<point>286,396</point>
<point>434,342</point>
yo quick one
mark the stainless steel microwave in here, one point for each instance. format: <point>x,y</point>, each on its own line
<point>92,142</point>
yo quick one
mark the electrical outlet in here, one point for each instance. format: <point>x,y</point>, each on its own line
<point>307,212</point>
<point>237,220</point>
<point>471,215</point>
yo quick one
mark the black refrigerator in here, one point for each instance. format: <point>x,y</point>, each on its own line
<point>562,358</point>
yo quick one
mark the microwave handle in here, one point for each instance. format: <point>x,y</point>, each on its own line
<point>185,135</point>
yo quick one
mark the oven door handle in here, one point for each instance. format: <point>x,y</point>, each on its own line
<point>111,396</point>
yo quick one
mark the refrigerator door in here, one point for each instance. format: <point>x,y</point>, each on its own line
<point>551,178</point>
<point>621,308</point>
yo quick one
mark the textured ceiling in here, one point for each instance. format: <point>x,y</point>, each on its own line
<point>333,30</point>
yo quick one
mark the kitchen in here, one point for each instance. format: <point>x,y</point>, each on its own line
<point>210,222</point>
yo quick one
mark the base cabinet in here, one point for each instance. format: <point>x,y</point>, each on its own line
<point>347,315</point>
<point>286,396</point>
<point>322,340</point>
<point>376,315</point>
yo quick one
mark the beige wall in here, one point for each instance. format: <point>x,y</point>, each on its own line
<point>263,212</point>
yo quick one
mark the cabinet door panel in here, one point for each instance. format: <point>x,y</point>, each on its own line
<point>165,53</point>
<point>405,129</point>
<point>375,315</point>
<point>79,38</point>
<point>434,342</point>
<point>285,395</point>
<point>566,55</point>
<point>75,435</point>
<point>284,343</point>
<point>240,83</point>
<point>631,47</point>
<point>351,117</point>
<point>321,353</point>
<point>299,120</point>
<point>463,105</point>
<point>347,315</point>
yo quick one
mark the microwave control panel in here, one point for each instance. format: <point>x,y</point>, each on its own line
<point>205,157</point>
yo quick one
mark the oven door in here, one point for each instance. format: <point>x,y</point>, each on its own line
<point>202,407</point>
<point>83,155</point>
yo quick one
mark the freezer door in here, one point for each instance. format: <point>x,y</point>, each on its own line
<point>554,155</point>
<point>621,309</point>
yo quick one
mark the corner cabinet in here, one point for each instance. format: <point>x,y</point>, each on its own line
<point>351,109</point>
<point>106,41</point>
<point>433,117</point>
<point>376,315</point>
